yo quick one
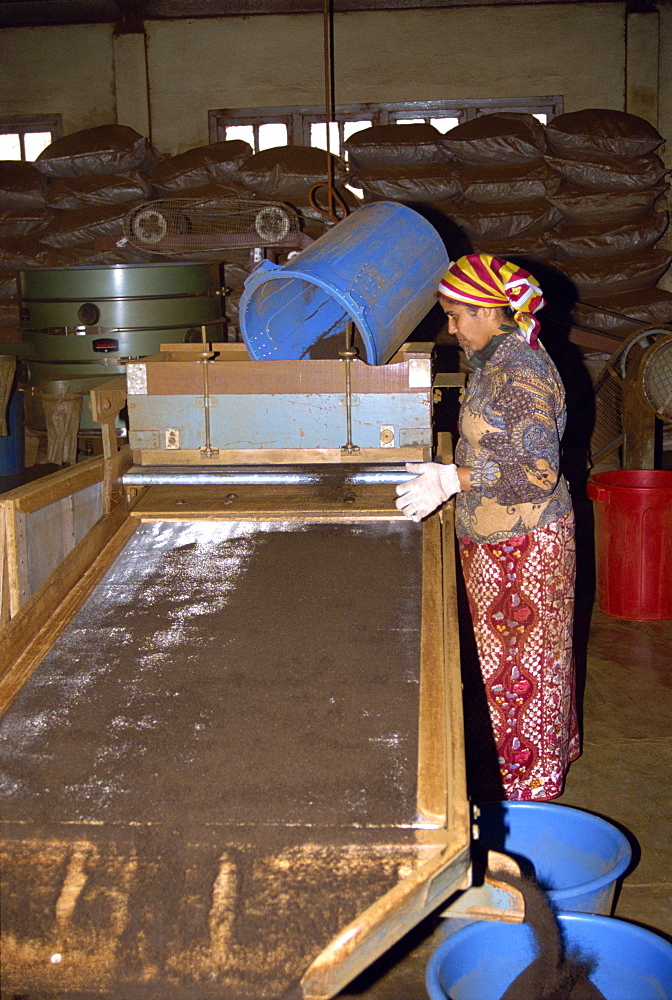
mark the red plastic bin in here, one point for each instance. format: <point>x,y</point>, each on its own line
<point>633,543</point>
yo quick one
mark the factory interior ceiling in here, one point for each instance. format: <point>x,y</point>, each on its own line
<point>128,15</point>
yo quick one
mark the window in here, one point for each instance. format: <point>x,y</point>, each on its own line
<point>306,126</point>
<point>24,138</point>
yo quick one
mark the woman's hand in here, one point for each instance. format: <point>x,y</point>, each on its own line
<point>433,485</point>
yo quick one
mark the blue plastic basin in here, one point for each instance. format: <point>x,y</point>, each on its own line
<point>577,857</point>
<point>481,961</point>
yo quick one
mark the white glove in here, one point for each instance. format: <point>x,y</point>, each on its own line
<point>433,485</point>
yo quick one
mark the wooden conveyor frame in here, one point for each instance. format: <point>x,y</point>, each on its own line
<point>442,799</point>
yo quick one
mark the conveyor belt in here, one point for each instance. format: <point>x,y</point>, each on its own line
<point>215,769</point>
<point>231,650</point>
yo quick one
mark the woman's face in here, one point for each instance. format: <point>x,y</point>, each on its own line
<point>474,328</point>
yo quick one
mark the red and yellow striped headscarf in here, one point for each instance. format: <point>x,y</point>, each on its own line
<point>481,280</point>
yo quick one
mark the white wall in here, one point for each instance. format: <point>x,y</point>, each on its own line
<point>402,56</point>
<point>197,65</point>
<point>59,70</point>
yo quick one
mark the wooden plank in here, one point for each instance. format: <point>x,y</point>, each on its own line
<point>54,487</point>
<point>33,629</point>
<point>432,736</point>
<point>17,557</point>
<point>387,920</point>
<point>165,377</point>
<point>287,456</point>
<point>4,573</point>
<point>459,816</point>
<point>284,502</point>
<point>454,728</point>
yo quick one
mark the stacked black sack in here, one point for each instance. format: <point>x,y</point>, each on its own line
<point>612,197</point>
<point>404,163</point>
<point>505,184</point>
<point>23,213</point>
<point>51,211</point>
<point>94,178</point>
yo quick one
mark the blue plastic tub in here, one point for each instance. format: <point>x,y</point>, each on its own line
<point>481,961</point>
<point>12,447</point>
<point>576,856</point>
<point>379,267</point>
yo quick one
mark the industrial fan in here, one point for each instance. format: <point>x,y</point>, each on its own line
<point>181,225</point>
<point>633,390</point>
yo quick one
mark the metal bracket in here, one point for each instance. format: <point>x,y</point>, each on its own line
<point>494,899</point>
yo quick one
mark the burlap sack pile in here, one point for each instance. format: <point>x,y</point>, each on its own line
<point>80,187</point>
<point>504,184</point>
<point>612,197</point>
<point>85,184</point>
<point>486,176</point>
<point>95,176</point>
<point>585,194</point>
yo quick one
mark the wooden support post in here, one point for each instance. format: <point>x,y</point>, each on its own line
<point>107,401</point>
<point>639,430</point>
<point>7,369</point>
<point>17,558</point>
<point>4,573</point>
<point>432,735</point>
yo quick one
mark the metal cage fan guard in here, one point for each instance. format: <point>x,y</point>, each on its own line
<point>656,368</point>
<point>644,361</point>
<point>183,224</point>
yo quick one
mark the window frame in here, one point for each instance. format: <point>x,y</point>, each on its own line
<point>299,118</point>
<point>22,124</point>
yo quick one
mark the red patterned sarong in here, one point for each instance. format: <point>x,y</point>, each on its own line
<point>521,597</point>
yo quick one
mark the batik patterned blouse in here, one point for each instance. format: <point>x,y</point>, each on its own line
<point>511,421</point>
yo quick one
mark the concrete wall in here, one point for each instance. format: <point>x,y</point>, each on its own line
<point>59,70</point>
<point>405,56</point>
<point>193,66</point>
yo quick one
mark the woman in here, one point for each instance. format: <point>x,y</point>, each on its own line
<point>514,520</point>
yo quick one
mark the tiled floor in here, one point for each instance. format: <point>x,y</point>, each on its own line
<point>625,771</point>
<point>623,774</point>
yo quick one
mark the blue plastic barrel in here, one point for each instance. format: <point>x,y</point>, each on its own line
<point>576,856</point>
<point>12,446</point>
<point>379,267</point>
<point>482,960</point>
